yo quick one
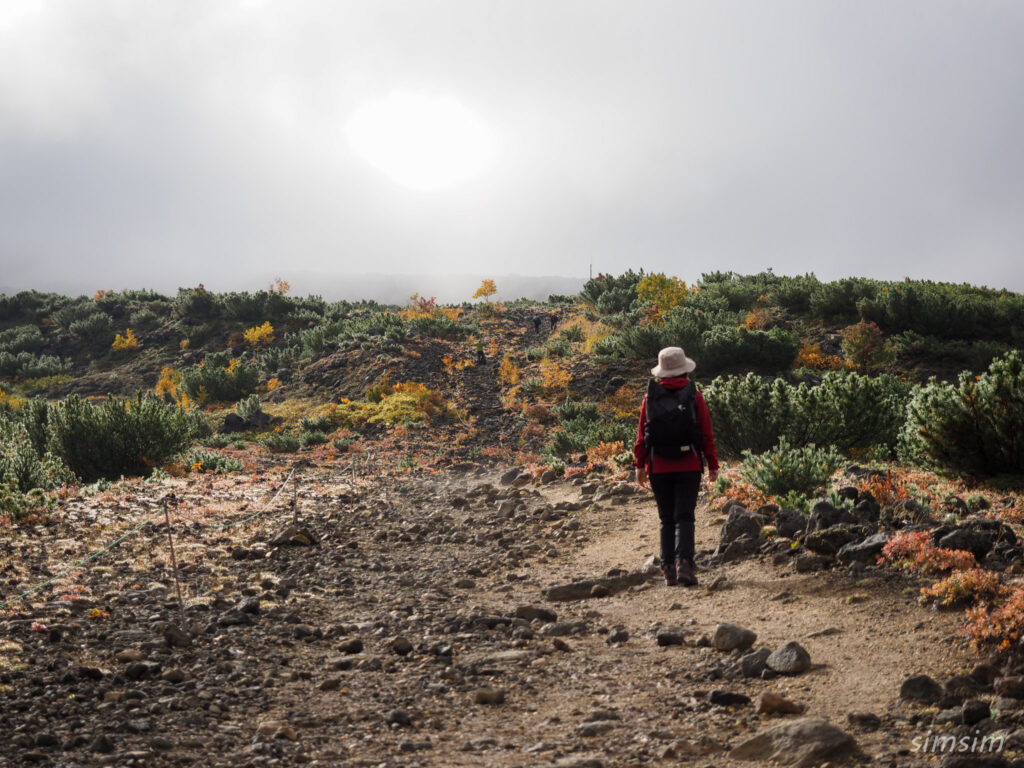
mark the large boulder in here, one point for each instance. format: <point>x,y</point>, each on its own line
<point>806,742</point>
<point>824,515</point>
<point>828,541</point>
<point>790,523</point>
<point>864,551</point>
<point>739,523</point>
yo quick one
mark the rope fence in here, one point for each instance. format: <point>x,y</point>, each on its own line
<point>164,513</point>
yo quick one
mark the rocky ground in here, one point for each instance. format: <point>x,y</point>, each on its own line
<point>461,618</point>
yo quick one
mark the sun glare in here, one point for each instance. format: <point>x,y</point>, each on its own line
<point>422,142</point>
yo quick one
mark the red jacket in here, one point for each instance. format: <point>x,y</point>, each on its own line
<point>690,463</point>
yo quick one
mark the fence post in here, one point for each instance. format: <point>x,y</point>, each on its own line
<point>168,501</point>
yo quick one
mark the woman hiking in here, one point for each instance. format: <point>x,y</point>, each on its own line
<point>674,440</point>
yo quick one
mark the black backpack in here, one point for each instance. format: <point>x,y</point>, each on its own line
<point>671,430</point>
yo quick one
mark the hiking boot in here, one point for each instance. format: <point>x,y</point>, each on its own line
<point>685,574</point>
<point>670,575</point>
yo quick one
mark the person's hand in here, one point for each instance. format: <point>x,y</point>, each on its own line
<point>712,475</point>
<point>641,476</point>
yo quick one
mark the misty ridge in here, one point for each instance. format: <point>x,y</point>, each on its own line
<point>382,288</point>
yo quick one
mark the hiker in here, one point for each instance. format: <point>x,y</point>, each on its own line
<point>674,441</point>
<point>536,323</point>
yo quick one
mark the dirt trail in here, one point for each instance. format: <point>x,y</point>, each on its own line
<point>873,636</point>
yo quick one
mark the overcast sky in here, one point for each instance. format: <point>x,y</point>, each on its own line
<point>158,144</point>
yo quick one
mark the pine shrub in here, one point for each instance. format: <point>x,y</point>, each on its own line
<point>973,427</point>
<point>117,437</point>
<point>220,378</point>
<point>785,468</point>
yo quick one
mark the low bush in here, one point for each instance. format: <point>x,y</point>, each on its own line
<point>581,427</point>
<point>279,442</point>
<point>116,437</point>
<point>22,467</point>
<point>211,461</point>
<point>973,427</point>
<point>963,588</point>
<point>220,378</point>
<point>845,410</point>
<point>785,468</point>
<point>26,365</point>
<point>23,338</point>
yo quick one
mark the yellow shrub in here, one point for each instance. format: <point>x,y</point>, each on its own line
<point>508,371</point>
<point>451,365</point>
<point>554,379</point>
<point>624,403</point>
<point>261,335</point>
<point>811,356</point>
<point>273,384</point>
<point>125,343</point>
<point>169,383</point>
<point>662,293</point>
<point>11,400</point>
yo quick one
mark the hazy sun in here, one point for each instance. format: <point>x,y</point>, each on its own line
<point>423,142</point>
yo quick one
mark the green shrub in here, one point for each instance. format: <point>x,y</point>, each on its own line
<point>143,320</point>
<point>22,467</point>
<point>749,413</point>
<point>217,441</point>
<point>220,378</point>
<point>26,365</point>
<point>319,424</point>
<point>558,348</point>
<point>248,406</point>
<point>443,328</point>
<point>732,348</point>
<point>315,437</point>
<point>974,426</point>
<point>786,469</point>
<point>279,442</point>
<point>574,334</point>
<point>839,300</point>
<point>845,410</point>
<point>24,338</point>
<point>90,329</point>
<point>211,461</point>
<point>535,353</point>
<point>581,426</point>
<point>116,437</point>
<point>610,294</point>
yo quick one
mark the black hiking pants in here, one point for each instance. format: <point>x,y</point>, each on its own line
<point>676,496</point>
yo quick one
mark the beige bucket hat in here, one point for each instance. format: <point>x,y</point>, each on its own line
<point>672,361</point>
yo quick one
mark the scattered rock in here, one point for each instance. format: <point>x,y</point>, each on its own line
<point>398,717</point>
<point>401,645</point>
<point>488,695</point>
<point>921,688</point>
<point>804,742</point>
<point>754,663</point>
<point>773,704</point>
<point>536,613</point>
<point>594,728</point>
<point>294,536</point>
<point>729,637</point>
<point>790,659</point>
<point>865,721</point>
<point>728,698</point>
<point>667,637</point>
<point>618,635</point>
